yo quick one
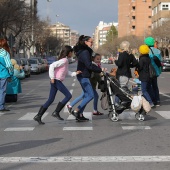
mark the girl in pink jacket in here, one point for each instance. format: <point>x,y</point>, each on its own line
<point>57,73</point>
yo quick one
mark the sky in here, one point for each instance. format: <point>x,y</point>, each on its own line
<point>80,15</point>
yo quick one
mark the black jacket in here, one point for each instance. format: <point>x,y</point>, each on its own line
<point>124,63</point>
<point>143,69</point>
<point>85,63</point>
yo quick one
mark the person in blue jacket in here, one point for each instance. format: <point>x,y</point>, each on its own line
<point>84,53</point>
<point>14,86</point>
<point>6,71</point>
<point>154,90</point>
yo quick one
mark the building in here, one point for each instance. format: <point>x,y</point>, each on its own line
<point>62,32</point>
<point>74,37</point>
<point>134,17</point>
<point>100,33</point>
<point>160,12</point>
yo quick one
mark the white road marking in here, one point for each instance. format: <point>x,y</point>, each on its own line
<point>78,128</point>
<point>30,116</point>
<point>127,115</point>
<point>71,117</point>
<point>71,91</point>
<point>18,129</point>
<point>77,159</point>
<point>164,94</point>
<point>1,113</point>
<point>136,127</point>
<point>73,84</point>
<point>164,114</point>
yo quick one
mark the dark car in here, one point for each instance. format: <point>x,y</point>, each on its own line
<point>166,65</point>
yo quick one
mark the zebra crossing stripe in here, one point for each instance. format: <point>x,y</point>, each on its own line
<point>136,127</point>
<point>164,114</point>
<point>78,159</point>
<point>18,129</point>
<point>30,116</point>
<point>78,128</point>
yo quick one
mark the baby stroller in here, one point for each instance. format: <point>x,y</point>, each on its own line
<point>112,87</point>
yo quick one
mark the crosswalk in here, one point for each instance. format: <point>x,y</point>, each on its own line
<point>71,124</point>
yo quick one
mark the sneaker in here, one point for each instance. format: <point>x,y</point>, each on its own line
<point>152,105</point>
<point>97,113</point>
<point>69,108</point>
<point>74,113</point>
<point>158,103</point>
<point>81,118</point>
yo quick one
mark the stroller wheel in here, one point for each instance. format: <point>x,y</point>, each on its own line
<point>113,117</point>
<point>140,117</point>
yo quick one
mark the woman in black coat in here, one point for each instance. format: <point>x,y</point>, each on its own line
<point>144,76</point>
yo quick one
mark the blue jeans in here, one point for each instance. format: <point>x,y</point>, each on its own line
<point>3,86</point>
<point>57,85</point>
<point>79,98</point>
<point>154,91</point>
<point>76,100</point>
<point>145,86</point>
<point>88,92</point>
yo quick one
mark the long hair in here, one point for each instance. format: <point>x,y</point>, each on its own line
<point>81,43</point>
<point>65,51</point>
<point>4,45</point>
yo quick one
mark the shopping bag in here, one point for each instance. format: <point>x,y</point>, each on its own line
<point>136,103</point>
<point>104,101</point>
<point>145,104</point>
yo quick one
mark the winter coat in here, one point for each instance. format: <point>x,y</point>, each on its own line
<point>84,62</point>
<point>124,63</point>
<point>143,69</point>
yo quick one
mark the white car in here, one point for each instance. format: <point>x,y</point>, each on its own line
<point>35,66</point>
<point>105,61</point>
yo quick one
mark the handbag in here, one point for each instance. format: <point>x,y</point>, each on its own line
<point>152,71</point>
<point>104,101</point>
<point>145,104</point>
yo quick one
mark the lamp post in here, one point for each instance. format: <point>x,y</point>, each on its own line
<point>56,24</point>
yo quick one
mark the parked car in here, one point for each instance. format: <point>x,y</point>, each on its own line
<point>105,61</point>
<point>36,66</point>
<point>26,67</point>
<point>46,64</point>
<point>166,65</point>
<point>41,63</point>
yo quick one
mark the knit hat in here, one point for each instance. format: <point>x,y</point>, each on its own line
<point>15,65</point>
<point>144,49</point>
<point>149,41</point>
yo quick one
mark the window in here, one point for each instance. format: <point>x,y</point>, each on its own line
<point>165,7</point>
<point>133,17</point>
<point>133,8</point>
<point>149,16</point>
<point>149,7</point>
<point>133,27</point>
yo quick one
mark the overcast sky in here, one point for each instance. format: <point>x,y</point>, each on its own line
<point>80,15</point>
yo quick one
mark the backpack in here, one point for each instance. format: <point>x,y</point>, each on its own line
<point>156,60</point>
<point>152,71</point>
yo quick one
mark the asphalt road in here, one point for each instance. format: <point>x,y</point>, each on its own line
<point>99,144</point>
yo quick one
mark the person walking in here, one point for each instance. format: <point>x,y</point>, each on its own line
<point>144,75</point>
<point>6,71</point>
<point>57,73</point>
<point>154,90</point>
<point>84,53</point>
<point>94,79</point>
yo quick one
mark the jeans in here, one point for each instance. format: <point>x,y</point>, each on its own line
<point>57,85</point>
<point>95,101</point>
<point>154,92</point>
<point>3,86</point>
<point>88,92</point>
<point>76,100</point>
<point>145,86</point>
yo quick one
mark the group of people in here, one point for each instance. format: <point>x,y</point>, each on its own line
<point>88,73</point>
<point>126,61</point>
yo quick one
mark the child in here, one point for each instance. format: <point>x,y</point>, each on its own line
<point>95,78</point>
<point>57,73</point>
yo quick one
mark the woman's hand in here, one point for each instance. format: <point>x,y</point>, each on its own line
<point>52,81</point>
<point>78,72</point>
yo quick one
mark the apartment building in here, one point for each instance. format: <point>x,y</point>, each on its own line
<point>134,17</point>
<point>160,12</point>
<point>74,36</point>
<point>100,33</point>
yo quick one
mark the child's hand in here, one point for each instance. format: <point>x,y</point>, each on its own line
<point>52,81</point>
<point>104,69</point>
<point>78,72</point>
